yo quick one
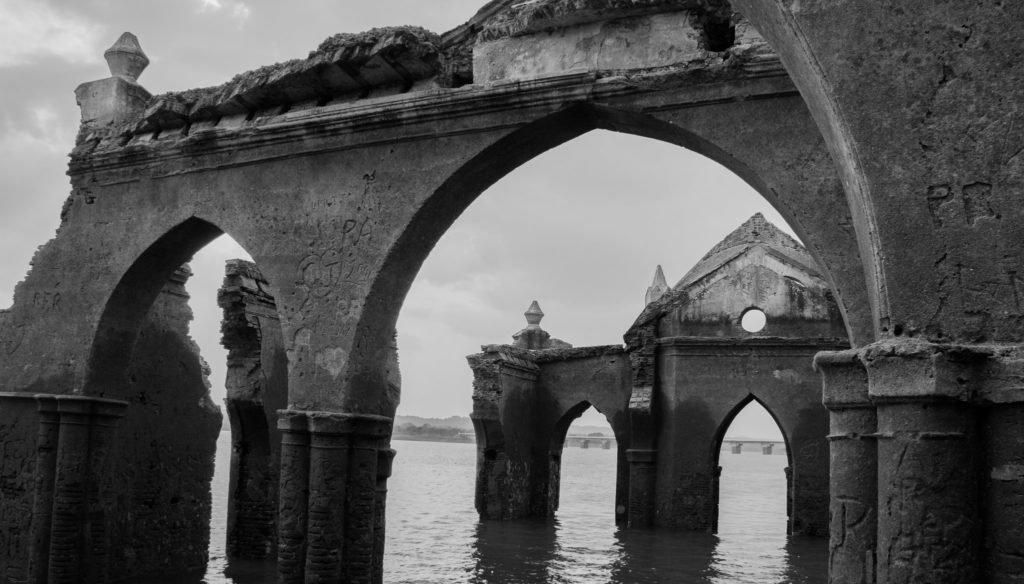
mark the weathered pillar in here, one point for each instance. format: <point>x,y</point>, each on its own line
<point>716,496</point>
<point>256,388</point>
<point>385,460</point>
<point>78,533</point>
<point>642,485</point>
<point>929,520</point>
<point>1003,395</point>
<point>294,496</point>
<point>46,470</point>
<point>99,495</point>
<point>68,529</point>
<point>643,454</point>
<point>339,542</point>
<point>853,464</point>
<point>512,477</point>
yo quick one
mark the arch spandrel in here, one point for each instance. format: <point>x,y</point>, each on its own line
<point>810,199</point>
<point>928,152</point>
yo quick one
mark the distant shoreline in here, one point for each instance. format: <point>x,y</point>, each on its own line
<point>432,439</point>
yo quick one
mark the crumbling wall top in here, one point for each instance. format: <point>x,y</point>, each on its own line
<point>355,64</point>
<point>519,18</point>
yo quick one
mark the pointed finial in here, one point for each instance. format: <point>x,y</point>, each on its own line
<point>125,58</point>
<point>533,315</point>
<point>658,287</point>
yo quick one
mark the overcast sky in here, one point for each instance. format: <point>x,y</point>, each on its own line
<point>579,229</point>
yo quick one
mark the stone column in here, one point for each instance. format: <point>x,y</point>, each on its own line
<point>1003,394</point>
<point>45,477</point>
<point>294,496</point>
<point>99,499</point>
<point>369,436</point>
<point>69,500</point>
<point>328,469</point>
<point>385,460</point>
<point>78,532</point>
<point>332,533</point>
<point>642,475</point>
<point>929,523</point>
<point>853,464</point>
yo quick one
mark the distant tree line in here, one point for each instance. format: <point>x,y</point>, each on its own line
<point>427,432</point>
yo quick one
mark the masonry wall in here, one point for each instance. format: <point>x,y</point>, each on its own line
<point>597,377</point>
<point>703,384</point>
<point>523,403</point>
<point>19,445</point>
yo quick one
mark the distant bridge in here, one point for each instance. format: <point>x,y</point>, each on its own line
<point>735,445</point>
<point>767,446</point>
<point>584,441</point>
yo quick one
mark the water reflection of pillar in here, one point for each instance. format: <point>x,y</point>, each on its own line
<point>665,556</point>
<point>853,477</point>
<point>927,468</point>
<point>515,552</point>
<point>642,483</point>
<point>340,541</point>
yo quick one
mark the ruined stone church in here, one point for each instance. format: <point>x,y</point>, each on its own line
<point>701,366</point>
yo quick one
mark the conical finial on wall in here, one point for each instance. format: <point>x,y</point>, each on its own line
<point>125,58</point>
<point>658,287</point>
<point>533,315</point>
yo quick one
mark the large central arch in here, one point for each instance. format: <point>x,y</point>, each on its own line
<point>810,200</point>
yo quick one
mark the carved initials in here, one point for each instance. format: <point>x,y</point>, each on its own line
<point>970,205</point>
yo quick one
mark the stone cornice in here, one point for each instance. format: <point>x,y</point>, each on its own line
<point>404,117</point>
<point>744,346</point>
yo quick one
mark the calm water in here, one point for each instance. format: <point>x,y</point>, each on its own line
<point>434,536</point>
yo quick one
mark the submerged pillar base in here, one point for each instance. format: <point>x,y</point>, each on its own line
<point>334,470</point>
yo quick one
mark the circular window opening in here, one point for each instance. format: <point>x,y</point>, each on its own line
<point>753,320</point>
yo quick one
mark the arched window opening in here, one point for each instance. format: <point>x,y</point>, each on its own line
<point>752,485</point>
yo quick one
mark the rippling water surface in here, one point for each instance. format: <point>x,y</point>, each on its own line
<point>434,537</point>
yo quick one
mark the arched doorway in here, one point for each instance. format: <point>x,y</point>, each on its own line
<point>588,464</point>
<point>753,481</point>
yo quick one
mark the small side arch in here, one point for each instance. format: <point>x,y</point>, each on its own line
<point>716,449</point>
<point>557,444</point>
